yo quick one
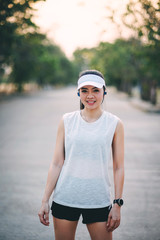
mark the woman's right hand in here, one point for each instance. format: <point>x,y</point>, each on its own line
<point>44,213</point>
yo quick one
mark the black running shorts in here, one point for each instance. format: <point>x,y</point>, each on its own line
<point>73,214</point>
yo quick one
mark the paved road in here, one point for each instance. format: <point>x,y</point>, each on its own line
<point>28,127</point>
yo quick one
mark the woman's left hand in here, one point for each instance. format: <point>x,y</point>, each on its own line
<point>114,218</point>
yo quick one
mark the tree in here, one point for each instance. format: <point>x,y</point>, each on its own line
<point>15,20</point>
<point>118,61</point>
<point>52,66</point>
<point>143,16</point>
<point>82,58</point>
<point>30,54</point>
<point>26,51</point>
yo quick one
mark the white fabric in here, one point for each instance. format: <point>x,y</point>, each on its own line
<point>84,181</point>
<point>91,79</point>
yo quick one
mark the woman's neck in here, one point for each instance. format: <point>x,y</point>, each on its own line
<point>91,115</point>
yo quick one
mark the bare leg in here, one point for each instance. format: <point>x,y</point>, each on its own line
<point>98,231</point>
<point>64,229</point>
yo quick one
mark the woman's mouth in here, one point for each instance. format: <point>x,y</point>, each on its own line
<point>90,102</point>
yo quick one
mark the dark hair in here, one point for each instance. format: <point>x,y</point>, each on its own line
<point>95,72</point>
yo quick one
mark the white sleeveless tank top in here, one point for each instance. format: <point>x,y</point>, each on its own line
<point>84,180</point>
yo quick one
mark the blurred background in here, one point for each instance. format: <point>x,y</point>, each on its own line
<point>43,47</point>
<point>49,42</point>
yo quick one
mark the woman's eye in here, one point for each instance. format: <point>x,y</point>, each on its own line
<point>96,90</point>
<point>84,91</point>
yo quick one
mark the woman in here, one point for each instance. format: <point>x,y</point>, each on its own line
<point>78,174</point>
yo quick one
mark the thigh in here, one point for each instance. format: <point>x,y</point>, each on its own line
<point>64,229</point>
<point>98,231</point>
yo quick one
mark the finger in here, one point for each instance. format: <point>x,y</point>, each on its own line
<point>109,220</point>
<point>47,218</point>
<point>42,219</point>
<point>117,224</point>
<point>114,225</point>
<point>111,226</point>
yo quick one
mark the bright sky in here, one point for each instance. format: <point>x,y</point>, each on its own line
<point>79,23</point>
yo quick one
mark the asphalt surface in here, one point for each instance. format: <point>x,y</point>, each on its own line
<point>28,126</point>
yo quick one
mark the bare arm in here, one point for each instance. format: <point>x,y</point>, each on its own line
<point>53,174</point>
<point>118,173</point>
<point>118,160</point>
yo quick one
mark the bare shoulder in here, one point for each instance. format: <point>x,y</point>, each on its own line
<point>119,131</point>
<point>118,139</point>
<point>61,125</point>
<point>60,131</point>
<point>120,126</point>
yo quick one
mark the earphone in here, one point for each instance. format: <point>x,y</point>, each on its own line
<point>105,93</point>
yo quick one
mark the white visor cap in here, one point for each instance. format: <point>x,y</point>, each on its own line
<point>91,79</point>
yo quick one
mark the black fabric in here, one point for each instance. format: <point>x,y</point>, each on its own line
<point>73,214</point>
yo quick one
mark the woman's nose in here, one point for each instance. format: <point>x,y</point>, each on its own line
<point>90,95</point>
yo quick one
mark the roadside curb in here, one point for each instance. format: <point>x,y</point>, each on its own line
<point>136,102</point>
<point>144,105</point>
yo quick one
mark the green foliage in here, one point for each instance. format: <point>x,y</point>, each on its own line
<point>36,59</point>
<point>117,61</point>
<point>135,61</point>
<point>53,67</point>
<point>145,15</point>
<point>15,19</point>
<point>144,19</point>
<point>29,54</point>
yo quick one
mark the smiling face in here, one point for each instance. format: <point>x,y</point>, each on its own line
<point>91,96</point>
